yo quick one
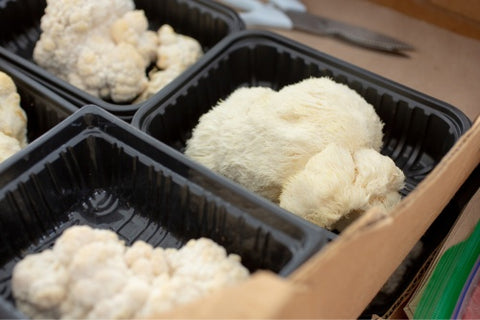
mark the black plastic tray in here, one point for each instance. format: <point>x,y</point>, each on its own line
<point>97,170</point>
<point>44,108</point>
<point>419,130</point>
<point>206,21</point>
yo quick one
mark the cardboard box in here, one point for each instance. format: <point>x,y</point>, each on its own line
<point>341,279</point>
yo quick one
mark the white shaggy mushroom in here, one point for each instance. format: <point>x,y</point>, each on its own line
<point>262,139</point>
<point>259,137</point>
<point>90,273</point>
<point>337,185</point>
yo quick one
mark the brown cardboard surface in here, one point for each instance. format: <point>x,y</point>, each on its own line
<point>259,297</point>
<point>342,279</point>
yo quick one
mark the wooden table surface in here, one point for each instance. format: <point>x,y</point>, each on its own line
<point>444,65</point>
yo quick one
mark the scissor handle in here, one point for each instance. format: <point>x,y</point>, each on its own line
<point>293,5</point>
<point>244,5</point>
<point>256,13</point>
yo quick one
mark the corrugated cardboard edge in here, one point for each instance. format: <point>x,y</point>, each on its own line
<point>260,297</point>
<point>396,311</point>
<point>342,279</point>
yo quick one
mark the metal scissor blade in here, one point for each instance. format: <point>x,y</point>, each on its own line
<point>315,24</point>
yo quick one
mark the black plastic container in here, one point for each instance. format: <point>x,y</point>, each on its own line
<point>206,21</point>
<point>44,108</point>
<point>419,130</point>
<point>97,170</point>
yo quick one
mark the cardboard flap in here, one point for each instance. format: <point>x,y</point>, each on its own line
<point>259,297</point>
<point>345,277</point>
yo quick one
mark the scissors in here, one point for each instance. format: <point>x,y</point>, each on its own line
<point>292,14</point>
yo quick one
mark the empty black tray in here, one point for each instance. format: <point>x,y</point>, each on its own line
<point>97,170</point>
<point>206,21</point>
<point>43,107</point>
<point>419,130</point>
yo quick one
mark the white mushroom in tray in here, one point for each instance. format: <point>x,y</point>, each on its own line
<point>104,48</point>
<point>312,147</point>
<point>13,120</point>
<point>91,273</point>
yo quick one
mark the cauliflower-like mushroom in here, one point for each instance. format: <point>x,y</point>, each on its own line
<point>176,49</point>
<point>8,146</point>
<point>100,46</point>
<point>90,273</point>
<point>176,52</point>
<point>13,120</point>
<point>131,29</point>
<point>157,80</point>
<point>262,139</point>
